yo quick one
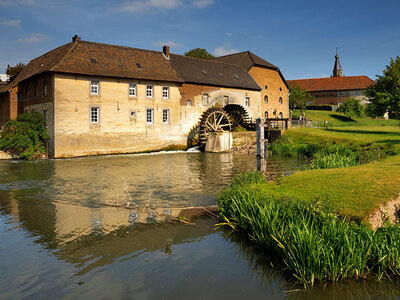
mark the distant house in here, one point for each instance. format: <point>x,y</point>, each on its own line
<point>334,90</point>
<point>275,89</point>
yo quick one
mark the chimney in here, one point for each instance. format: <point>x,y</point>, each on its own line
<point>76,38</point>
<point>165,50</point>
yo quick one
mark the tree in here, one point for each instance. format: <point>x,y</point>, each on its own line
<point>14,71</point>
<point>298,98</point>
<point>351,108</point>
<point>384,95</point>
<point>199,53</point>
<point>26,136</point>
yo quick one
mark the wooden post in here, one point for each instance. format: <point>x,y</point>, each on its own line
<point>260,146</point>
<point>318,124</point>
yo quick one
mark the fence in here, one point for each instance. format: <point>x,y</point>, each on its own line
<point>309,123</point>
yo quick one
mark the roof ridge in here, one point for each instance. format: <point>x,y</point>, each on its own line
<point>329,77</point>
<point>65,56</point>
<point>232,54</point>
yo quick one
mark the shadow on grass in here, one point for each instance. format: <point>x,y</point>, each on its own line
<point>364,131</point>
<point>342,118</point>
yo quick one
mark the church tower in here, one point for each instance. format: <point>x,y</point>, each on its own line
<point>337,69</point>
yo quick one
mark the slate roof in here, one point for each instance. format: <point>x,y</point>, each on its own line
<point>211,72</point>
<point>247,60</point>
<point>333,83</point>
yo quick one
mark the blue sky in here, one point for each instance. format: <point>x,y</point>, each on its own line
<point>299,36</point>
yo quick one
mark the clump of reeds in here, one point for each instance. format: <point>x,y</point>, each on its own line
<point>311,243</point>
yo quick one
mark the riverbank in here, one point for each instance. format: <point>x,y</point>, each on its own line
<point>316,222</point>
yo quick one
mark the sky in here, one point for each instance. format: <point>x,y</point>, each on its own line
<point>300,37</point>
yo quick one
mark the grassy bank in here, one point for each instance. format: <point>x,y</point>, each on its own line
<point>338,119</point>
<point>315,222</point>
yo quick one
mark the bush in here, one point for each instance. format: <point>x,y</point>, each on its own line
<point>351,108</point>
<point>319,107</point>
<point>25,137</point>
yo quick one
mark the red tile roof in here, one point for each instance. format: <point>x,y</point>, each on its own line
<point>333,83</point>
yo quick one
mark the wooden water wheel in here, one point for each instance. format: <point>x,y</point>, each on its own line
<point>213,120</point>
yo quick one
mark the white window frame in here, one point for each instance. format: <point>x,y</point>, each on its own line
<point>132,87</point>
<point>92,110</point>
<point>247,101</point>
<point>205,99</point>
<point>165,112</point>
<point>165,89</point>
<point>151,110</point>
<point>94,87</point>
<point>280,116</point>
<point>280,100</point>
<point>150,88</point>
<point>44,88</point>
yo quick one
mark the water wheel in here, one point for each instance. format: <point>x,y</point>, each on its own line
<point>213,120</point>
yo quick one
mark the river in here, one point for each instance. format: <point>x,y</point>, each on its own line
<point>65,232</point>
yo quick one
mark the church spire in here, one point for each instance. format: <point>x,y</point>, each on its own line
<point>337,69</point>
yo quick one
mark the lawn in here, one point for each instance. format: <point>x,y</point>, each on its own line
<point>353,191</point>
<point>338,119</point>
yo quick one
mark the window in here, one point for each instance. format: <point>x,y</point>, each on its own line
<point>45,117</point>
<point>340,94</point>
<point>266,114</point>
<point>132,90</point>
<point>27,93</point>
<point>189,103</point>
<point>36,90</point>
<point>94,87</point>
<point>165,92</point>
<point>265,99</point>
<point>205,99</point>
<point>132,114</point>
<point>266,87</point>
<point>165,116</point>
<point>95,115</point>
<point>280,100</point>
<point>149,91</point>
<point>44,88</point>
<point>150,116</point>
<point>280,115</point>
<point>280,89</point>
<point>247,101</point>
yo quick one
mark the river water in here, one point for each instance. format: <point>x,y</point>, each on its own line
<point>65,232</point>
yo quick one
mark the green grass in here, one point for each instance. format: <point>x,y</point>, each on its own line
<point>315,222</point>
<point>306,239</point>
<point>338,119</point>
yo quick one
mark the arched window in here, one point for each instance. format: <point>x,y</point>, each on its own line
<point>265,99</point>
<point>280,100</point>
<point>280,115</point>
<point>266,114</point>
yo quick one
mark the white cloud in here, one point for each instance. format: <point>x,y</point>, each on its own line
<point>143,5</point>
<point>221,51</point>
<point>11,23</point>
<point>202,3</point>
<point>167,43</point>
<point>33,38</point>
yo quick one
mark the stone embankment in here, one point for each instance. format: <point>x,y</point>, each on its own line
<point>244,142</point>
<point>4,155</point>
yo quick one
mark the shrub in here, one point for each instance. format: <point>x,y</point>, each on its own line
<point>351,108</point>
<point>25,137</point>
<point>319,107</point>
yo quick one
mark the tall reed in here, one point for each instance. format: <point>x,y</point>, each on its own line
<point>311,243</point>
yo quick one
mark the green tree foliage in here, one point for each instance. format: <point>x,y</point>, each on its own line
<point>384,95</point>
<point>15,70</point>
<point>26,136</point>
<point>351,108</point>
<point>199,53</point>
<point>299,98</point>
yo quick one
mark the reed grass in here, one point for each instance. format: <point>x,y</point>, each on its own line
<point>309,240</point>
